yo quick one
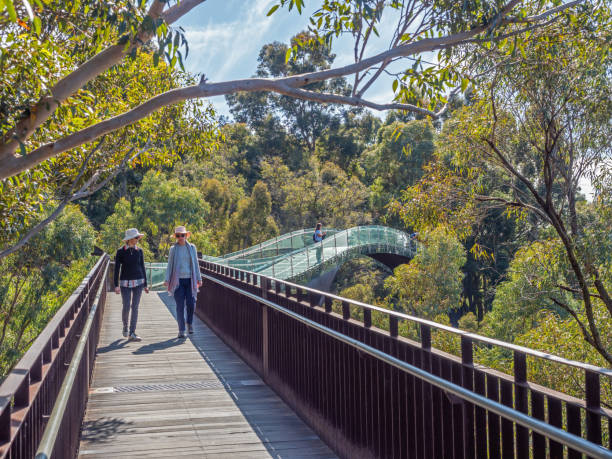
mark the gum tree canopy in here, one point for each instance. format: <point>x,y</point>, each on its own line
<point>55,54</point>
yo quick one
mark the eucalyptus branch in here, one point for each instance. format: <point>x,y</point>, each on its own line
<point>575,290</point>
<point>11,164</point>
<point>37,114</point>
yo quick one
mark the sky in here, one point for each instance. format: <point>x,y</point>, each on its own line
<point>225,37</point>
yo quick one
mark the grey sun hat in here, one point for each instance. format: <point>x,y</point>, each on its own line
<point>131,234</point>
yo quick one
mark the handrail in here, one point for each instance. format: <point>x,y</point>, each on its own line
<point>473,336</point>
<point>21,370</point>
<point>573,441</point>
<point>28,393</point>
<point>269,242</point>
<point>47,443</point>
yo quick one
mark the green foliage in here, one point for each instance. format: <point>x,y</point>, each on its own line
<point>252,222</point>
<point>158,139</point>
<point>397,158</point>
<point>162,204</point>
<point>322,193</point>
<point>530,288</point>
<point>430,284</point>
<point>39,278</point>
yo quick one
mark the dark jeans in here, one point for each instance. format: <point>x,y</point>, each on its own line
<point>131,299</point>
<point>183,297</point>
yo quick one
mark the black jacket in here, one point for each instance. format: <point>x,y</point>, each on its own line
<point>131,264</point>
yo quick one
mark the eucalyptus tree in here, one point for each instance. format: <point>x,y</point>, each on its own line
<point>537,128</point>
<point>304,119</point>
<point>127,28</point>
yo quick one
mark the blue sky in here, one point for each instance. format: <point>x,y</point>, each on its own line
<point>225,37</point>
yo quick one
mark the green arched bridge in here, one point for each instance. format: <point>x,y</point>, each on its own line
<point>295,256</point>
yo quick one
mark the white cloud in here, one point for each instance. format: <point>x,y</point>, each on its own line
<point>224,50</point>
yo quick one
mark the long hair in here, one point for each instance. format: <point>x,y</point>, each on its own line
<point>318,227</point>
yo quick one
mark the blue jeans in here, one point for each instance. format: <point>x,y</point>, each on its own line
<point>183,297</point>
<point>131,298</point>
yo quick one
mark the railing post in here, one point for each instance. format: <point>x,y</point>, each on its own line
<point>328,304</point>
<point>467,381</point>
<point>521,401</point>
<point>367,317</point>
<point>593,405</point>
<point>264,320</point>
<point>393,326</point>
<point>346,310</point>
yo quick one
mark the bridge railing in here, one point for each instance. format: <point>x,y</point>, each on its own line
<point>29,393</point>
<point>372,393</point>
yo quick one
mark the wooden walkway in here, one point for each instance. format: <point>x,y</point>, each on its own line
<point>165,397</point>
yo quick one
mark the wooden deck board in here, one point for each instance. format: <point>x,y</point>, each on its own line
<point>231,413</point>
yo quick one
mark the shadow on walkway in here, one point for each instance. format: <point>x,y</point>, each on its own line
<point>115,345</point>
<point>160,345</point>
<point>208,345</point>
<point>104,429</point>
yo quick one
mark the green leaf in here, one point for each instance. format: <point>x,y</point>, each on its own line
<point>287,55</point>
<point>11,9</point>
<point>272,10</point>
<point>22,149</point>
<point>37,25</point>
<point>395,84</point>
<point>464,84</point>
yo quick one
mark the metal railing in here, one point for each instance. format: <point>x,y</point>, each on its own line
<point>29,393</point>
<point>372,393</point>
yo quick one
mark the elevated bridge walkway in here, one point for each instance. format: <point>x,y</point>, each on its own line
<point>273,372</point>
<point>167,397</point>
<point>296,257</point>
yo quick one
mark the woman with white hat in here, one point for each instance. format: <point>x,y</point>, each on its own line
<point>183,278</point>
<point>130,279</point>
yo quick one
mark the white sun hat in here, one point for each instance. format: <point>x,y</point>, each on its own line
<point>131,234</point>
<point>181,230</point>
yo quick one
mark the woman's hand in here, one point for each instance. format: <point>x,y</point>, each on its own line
<point>146,289</point>
<point>199,284</point>
<point>117,290</point>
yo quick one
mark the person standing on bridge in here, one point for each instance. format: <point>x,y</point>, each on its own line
<point>130,279</point>
<point>183,278</point>
<point>318,237</point>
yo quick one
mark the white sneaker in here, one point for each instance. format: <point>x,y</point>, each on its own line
<point>182,335</point>
<point>135,337</point>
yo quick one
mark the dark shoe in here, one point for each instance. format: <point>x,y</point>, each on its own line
<point>125,332</point>
<point>135,337</point>
<point>182,334</point>
<point>190,329</point>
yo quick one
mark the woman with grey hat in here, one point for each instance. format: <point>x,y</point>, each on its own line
<point>130,279</point>
<point>183,278</point>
